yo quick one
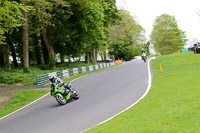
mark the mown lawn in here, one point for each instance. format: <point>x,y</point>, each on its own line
<point>172,104</point>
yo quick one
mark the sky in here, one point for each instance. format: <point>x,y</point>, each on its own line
<point>185,11</point>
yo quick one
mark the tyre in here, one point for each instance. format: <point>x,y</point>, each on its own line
<point>75,94</point>
<point>61,100</point>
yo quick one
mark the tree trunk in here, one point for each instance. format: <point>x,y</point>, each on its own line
<point>69,59</point>
<point>89,57</point>
<point>13,55</point>
<point>62,59</point>
<point>49,48</point>
<point>38,53</point>
<point>86,60</point>
<point>25,41</point>
<point>11,49</point>
<point>93,55</point>
<point>4,52</point>
<point>1,57</point>
<point>44,50</point>
<point>104,53</point>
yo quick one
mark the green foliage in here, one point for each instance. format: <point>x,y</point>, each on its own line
<point>128,31</point>
<point>111,16</point>
<point>172,104</point>
<point>166,35</point>
<point>70,28</point>
<point>129,35</point>
<point>43,67</point>
<point>92,27</point>
<point>147,45</point>
<point>43,9</point>
<point>88,26</point>
<point>10,16</point>
<point>121,51</point>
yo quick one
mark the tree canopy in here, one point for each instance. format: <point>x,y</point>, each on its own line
<point>129,34</point>
<point>10,17</point>
<point>166,35</point>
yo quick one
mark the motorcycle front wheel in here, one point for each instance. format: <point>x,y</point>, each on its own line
<point>61,100</point>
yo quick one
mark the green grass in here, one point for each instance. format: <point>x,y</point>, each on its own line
<point>172,104</point>
<point>16,75</point>
<point>20,99</point>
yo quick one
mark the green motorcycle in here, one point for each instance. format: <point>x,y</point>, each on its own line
<point>144,57</point>
<point>63,93</point>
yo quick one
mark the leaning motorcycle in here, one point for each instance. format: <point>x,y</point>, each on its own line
<point>59,92</point>
<point>144,57</point>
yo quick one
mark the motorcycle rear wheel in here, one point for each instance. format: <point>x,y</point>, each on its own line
<point>61,100</point>
<point>75,94</point>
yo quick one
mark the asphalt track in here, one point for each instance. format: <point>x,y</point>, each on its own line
<point>102,95</point>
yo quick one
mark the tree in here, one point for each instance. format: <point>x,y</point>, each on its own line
<point>121,51</point>
<point>166,35</point>
<point>44,14</point>
<point>60,30</point>
<point>146,47</point>
<point>88,30</point>
<point>127,31</point>
<point>10,18</point>
<point>93,30</point>
<point>129,34</point>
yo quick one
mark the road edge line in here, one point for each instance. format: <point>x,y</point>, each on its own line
<point>147,90</point>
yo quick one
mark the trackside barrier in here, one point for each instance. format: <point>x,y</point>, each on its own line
<point>44,79</point>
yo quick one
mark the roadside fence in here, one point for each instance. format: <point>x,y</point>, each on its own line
<point>44,79</point>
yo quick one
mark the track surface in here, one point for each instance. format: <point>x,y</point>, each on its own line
<point>102,95</point>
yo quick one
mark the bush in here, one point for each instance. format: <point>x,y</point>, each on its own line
<point>43,67</point>
<point>121,51</point>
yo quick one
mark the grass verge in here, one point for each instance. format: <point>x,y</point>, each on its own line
<point>20,99</point>
<point>172,105</point>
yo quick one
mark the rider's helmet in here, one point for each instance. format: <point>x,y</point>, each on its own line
<point>52,79</point>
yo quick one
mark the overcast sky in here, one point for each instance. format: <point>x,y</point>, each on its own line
<point>185,12</point>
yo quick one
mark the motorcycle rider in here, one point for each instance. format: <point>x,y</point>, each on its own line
<point>60,83</point>
<point>143,51</point>
<point>144,55</point>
